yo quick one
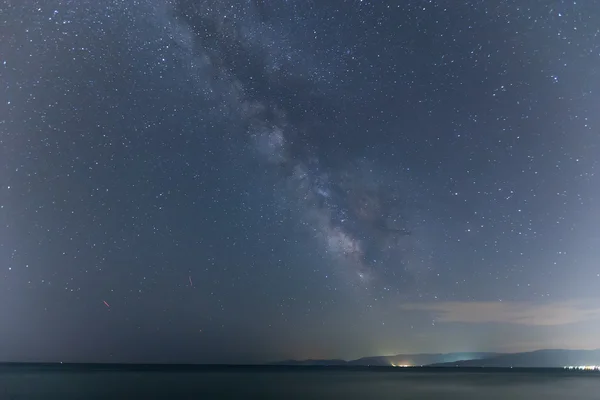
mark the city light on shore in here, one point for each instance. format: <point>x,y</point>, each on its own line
<point>583,367</point>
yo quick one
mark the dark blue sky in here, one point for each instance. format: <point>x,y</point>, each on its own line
<point>215,181</point>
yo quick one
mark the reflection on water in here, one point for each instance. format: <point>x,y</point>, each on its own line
<point>297,385</point>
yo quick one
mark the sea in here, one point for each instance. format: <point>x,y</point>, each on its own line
<point>19,383</point>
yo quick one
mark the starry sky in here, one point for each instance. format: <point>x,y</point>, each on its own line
<point>246,181</point>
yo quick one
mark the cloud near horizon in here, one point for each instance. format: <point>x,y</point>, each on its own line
<point>518,313</point>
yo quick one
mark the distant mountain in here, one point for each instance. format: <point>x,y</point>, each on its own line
<point>533,359</point>
<point>395,360</point>
<point>419,359</point>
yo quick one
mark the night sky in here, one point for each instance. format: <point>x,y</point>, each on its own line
<point>245,181</point>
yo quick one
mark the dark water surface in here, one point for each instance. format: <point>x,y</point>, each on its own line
<point>296,384</point>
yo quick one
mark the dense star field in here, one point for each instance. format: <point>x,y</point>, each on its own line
<point>243,181</point>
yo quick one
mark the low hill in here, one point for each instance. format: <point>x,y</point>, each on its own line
<point>532,359</point>
<point>394,360</point>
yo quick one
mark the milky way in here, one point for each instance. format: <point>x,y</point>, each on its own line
<point>356,214</point>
